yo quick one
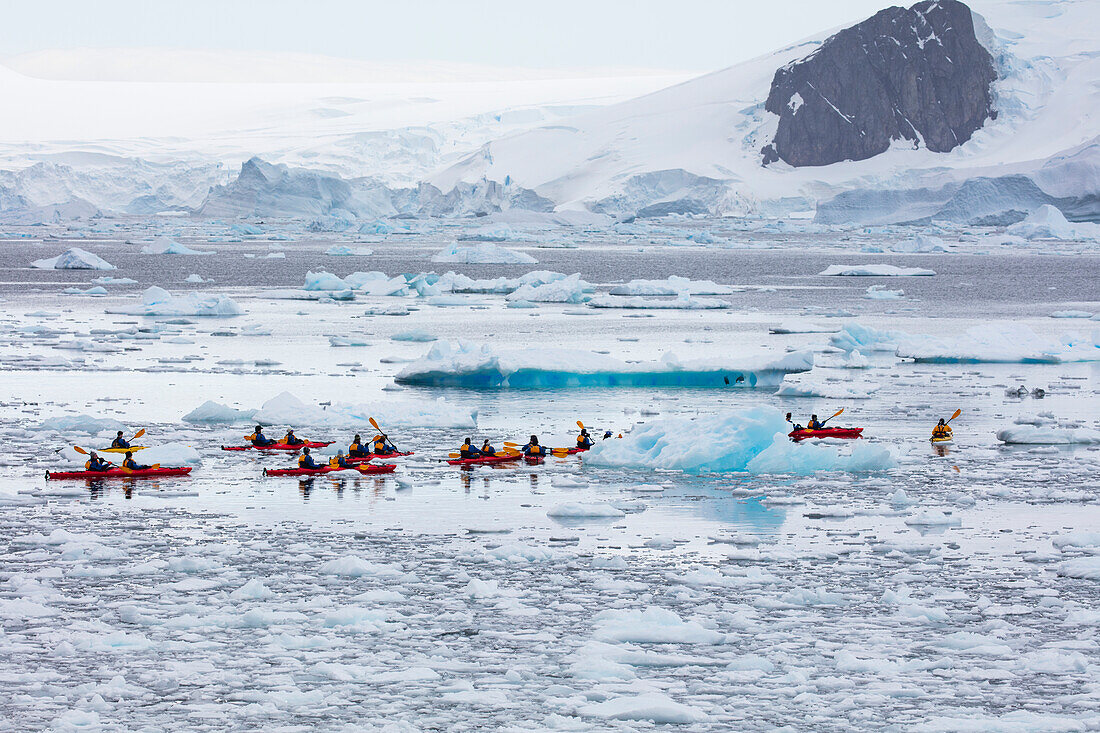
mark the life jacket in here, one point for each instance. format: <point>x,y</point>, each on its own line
<point>354,449</point>
<point>488,450</point>
<point>815,425</point>
<point>305,461</point>
<point>258,438</point>
<point>534,450</point>
<point>97,465</point>
<point>941,431</point>
<point>380,445</point>
<point>119,443</point>
<point>468,451</point>
<point>291,439</point>
<point>583,441</point>
<point>130,463</point>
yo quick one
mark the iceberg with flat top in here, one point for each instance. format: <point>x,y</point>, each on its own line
<point>74,259</point>
<point>682,302</point>
<point>156,301</point>
<point>1048,435</point>
<point>480,366</point>
<point>1048,222</point>
<point>753,440</point>
<point>874,271</point>
<point>1005,344</point>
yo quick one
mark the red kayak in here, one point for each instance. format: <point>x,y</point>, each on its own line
<point>850,433</point>
<point>372,456</point>
<point>278,446</point>
<point>484,460</point>
<point>119,473</point>
<point>574,451</point>
<point>371,469</point>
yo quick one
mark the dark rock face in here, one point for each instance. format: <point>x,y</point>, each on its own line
<point>917,74</point>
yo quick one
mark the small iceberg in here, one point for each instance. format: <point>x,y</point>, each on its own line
<point>156,301</point>
<point>165,246</point>
<point>343,250</point>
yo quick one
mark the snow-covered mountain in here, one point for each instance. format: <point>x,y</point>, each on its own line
<point>696,146</point>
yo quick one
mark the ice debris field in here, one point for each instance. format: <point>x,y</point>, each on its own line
<point>700,572</point>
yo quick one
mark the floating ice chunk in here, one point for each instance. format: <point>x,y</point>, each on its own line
<point>157,301</point>
<point>584,510</point>
<point>932,518</point>
<point>480,366</point>
<point>654,706</point>
<point>920,243</point>
<point>874,271</point>
<point>169,454</point>
<point>1081,538</point>
<point>653,625</point>
<point>166,246</point>
<point>416,335</point>
<point>681,302</point>
<point>674,285</point>
<point>252,590</point>
<point>1085,568</point>
<point>353,566</point>
<point>879,292</point>
<point>343,250</point>
<point>1071,314</point>
<point>570,289</point>
<point>74,259</point>
<point>195,278</point>
<point>484,253</point>
<point>377,283</point>
<point>324,281</point>
<point>273,256</point>
<point>1046,435</point>
<point>1048,222</point>
<point>751,440</point>
<point>97,291</point>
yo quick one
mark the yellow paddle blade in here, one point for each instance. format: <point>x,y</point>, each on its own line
<point>836,413</point>
<point>560,453</point>
<point>125,470</point>
<point>509,452</point>
<point>138,434</point>
<point>511,445</point>
<point>454,455</point>
<point>80,450</point>
<point>957,413</point>
<point>374,424</point>
<point>155,465</point>
<point>580,425</point>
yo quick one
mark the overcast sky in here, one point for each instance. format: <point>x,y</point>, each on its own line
<point>694,35</point>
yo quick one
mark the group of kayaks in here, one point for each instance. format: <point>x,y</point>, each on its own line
<point>364,464</point>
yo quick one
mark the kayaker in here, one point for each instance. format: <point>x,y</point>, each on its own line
<point>339,460</point>
<point>95,463</point>
<point>794,425</point>
<point>291,439</point>
<point>534,449</point>
<point>119,441</point>
<point>583,441</point>
<point>607,433</point>
<point>382,445</point>
<point>357,449</point>
<point>467,451</point>
<point>814,423</point>
<point>487,449</point>
<point>258,437</point>
<point>306,460</point>
<point>942,430</point>
<point>131,464</point>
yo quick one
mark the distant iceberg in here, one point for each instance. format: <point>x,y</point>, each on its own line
<point>484,253</point>
<point>1048,222</point>
<point>165,246</point>
<point>478,366</point>
<point>874,271</point>
<point>74,259</point>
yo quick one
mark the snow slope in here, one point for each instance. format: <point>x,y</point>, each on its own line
<point>697,145</point>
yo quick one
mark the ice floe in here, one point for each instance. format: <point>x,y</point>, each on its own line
<point>874,271</point>
<point>484,253</point>
<point>157,301</point>
<point>74,259</point>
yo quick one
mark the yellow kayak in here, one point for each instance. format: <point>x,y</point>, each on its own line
<point>946,439</point>
<point>122,450</point>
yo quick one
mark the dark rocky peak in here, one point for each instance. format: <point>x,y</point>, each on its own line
<point>916,74</point>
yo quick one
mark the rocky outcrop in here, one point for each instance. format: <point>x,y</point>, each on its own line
<point>916,74</point>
